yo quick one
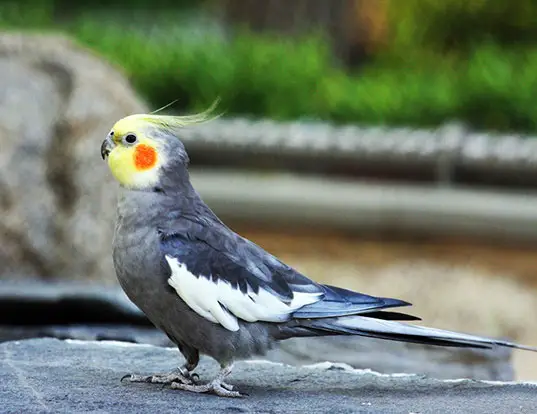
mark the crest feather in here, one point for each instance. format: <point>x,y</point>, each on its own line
<point>176,121</point>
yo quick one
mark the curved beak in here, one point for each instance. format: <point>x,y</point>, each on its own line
<point>106,147</point>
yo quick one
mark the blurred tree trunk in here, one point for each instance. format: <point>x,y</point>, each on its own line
<point>355,27</point>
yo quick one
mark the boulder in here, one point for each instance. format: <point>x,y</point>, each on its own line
<point>50,375</point>
<point>57,103</point>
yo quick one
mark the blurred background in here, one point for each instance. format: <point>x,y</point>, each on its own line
<point>381,145</point>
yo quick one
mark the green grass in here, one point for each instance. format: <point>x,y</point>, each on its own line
<point>488,87</point>
<point>15,14</point>
<point>262,76</point>
<point>459,25</point>
<point>253,75</point>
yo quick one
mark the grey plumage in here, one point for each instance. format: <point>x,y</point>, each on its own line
<point>165,228</point>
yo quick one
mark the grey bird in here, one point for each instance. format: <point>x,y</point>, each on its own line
<point>211,291</point>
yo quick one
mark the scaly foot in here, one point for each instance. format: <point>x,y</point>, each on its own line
<point>214,387</point>
<point>217,386</point>
<point>178,376</point>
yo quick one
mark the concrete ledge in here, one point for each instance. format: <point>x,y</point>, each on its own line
<point>349,205</point>
<point>48,375</point>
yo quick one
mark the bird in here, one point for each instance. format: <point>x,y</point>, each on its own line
<point>212,291</point>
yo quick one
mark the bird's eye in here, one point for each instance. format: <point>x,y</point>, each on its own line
<point>130,139</point>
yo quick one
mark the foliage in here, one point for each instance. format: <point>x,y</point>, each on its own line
<point>263,76</point>
<point>17,13</point>
<point>459,25</point>
<point>252,75</point>
<point>484,84</point>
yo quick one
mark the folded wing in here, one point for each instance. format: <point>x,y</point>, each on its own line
<point>244,283</point>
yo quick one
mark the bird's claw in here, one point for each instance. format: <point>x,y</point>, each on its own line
<point>164,379</point>
<point>227,386</point>
<point>191,376</point>
<point>220,389</point>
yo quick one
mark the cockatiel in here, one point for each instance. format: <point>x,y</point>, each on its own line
<point>212,291</point>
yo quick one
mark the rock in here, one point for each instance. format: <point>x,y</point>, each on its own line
<point>79,311</point>
<point>47,375</point>
<point>91,332</point>
<point>57,102</point>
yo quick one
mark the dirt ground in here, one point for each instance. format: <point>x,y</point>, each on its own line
<point>460,285</point>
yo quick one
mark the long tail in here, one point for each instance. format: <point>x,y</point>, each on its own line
<point>391,330</point>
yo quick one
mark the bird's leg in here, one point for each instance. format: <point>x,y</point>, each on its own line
<point>192,356</point>
<point>186,371</point>
<point>216,386</point>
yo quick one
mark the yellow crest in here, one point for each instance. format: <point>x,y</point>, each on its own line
<point>136,164</point>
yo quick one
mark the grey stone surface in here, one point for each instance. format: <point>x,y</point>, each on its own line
<point>109,332</point>
<point>57,199</point>
<point>47,375</point>
<point>79,311</point>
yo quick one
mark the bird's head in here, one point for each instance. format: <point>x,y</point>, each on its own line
<point>140,147</point>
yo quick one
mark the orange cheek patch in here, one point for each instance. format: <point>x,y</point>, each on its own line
<point>145,157</point>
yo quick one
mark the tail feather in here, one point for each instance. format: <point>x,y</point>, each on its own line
<point>397,331</point>
<point>391,316</point>
<point>337,302</point>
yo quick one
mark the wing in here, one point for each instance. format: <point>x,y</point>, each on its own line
<point>223,288</point>
<point>226,278</point>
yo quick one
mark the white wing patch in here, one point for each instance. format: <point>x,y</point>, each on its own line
<point>220,303</point>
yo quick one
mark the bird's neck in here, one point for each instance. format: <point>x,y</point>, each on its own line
<point>169,199</point>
